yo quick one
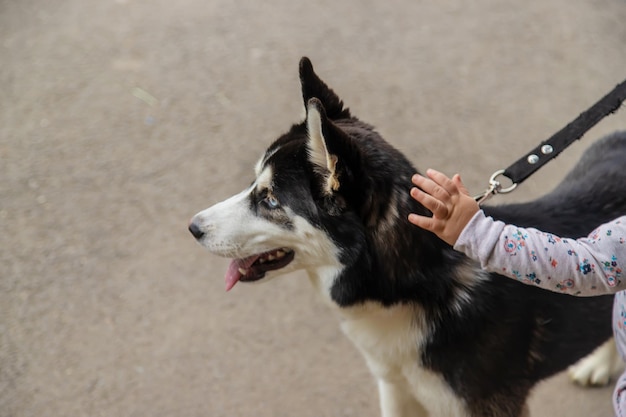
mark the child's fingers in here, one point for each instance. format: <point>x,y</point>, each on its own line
<point>438,208</point>
<point>421,181</point>
<point>430,187</point>
<point>443,181</point>
<point>459,184</point>
<point>423,222</point>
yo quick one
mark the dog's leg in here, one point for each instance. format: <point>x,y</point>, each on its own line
<point>597,367</point>
<point>397,401</point>
<point>396,398</point>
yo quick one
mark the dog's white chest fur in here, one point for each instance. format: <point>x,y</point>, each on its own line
<point>390,340</point>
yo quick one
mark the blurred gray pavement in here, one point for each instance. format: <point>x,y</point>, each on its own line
<point>121,119</point>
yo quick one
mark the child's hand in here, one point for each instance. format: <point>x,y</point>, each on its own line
<point>448,200</point>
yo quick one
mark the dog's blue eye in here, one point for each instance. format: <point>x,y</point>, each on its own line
<point>271,201</point>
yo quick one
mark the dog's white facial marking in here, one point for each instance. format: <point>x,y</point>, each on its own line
<point>257,235</point>
<point>264,178</point>
<point>220,223</point>
<point>258,167</point>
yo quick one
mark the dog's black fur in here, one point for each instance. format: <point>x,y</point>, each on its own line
<point>512,335</point>
<point>493,349</point>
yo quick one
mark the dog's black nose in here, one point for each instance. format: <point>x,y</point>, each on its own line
<point>195,230</point>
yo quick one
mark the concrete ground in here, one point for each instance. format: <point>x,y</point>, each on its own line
<point>120,119</point>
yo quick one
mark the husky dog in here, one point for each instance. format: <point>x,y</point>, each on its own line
<point>442,336</point>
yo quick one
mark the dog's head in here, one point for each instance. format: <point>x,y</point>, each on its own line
<point>318,189</point>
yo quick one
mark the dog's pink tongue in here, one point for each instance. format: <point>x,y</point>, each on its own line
<point>232,273</point>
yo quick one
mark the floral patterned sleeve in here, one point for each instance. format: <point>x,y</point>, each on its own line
<point>585,267</point>
<point>619,396</point>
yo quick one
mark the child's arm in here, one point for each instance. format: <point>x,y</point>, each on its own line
<point>587,266</point>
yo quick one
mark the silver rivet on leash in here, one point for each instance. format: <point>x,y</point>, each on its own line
<point>532,159</point>
<point>546,149</point>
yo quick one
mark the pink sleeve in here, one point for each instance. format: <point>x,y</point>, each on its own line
<point>586,267</point>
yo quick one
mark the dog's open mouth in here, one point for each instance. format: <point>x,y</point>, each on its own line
<point>254,267</point>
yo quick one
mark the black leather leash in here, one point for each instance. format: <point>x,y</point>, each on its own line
<point>549,149</point>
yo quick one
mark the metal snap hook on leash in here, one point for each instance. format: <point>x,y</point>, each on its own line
<point>548,150</point>
<point>494,188</point>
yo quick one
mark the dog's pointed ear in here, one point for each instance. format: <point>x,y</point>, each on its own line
<point>314,87</point>
<point>330,149</point>
<point>324,162</point>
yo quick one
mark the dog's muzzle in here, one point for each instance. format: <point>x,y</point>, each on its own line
<point>195,230</point>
